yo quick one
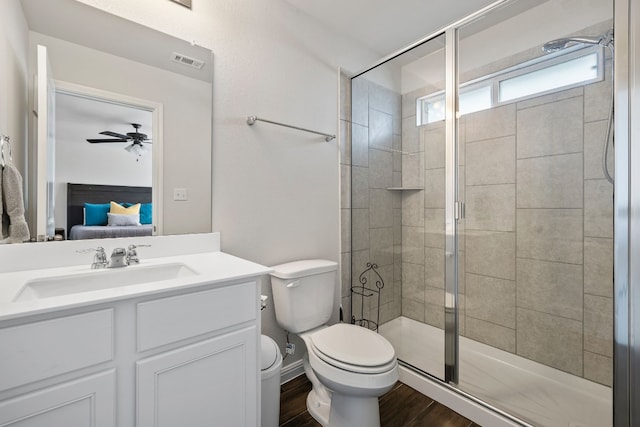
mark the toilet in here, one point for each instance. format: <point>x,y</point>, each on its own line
<point>349,366</point>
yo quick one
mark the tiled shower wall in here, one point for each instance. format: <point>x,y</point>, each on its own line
<point>536,244</point>
<point>371,165</point>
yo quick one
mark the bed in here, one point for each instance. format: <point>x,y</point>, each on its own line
<point>79,194</point>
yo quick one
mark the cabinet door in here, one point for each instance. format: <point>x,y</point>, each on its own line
<point>213,382</point>
<point>88,401</point>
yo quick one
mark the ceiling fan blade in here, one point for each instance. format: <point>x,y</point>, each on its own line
<point>114,134</point>
<point>98,141</point>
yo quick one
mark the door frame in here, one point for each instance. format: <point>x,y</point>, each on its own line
<point>156,110</point>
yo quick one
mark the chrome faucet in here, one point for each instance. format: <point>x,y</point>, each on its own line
<point>132,254</point>
<point>118,258</point>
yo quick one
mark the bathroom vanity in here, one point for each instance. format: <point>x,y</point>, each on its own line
<point>171,341</point>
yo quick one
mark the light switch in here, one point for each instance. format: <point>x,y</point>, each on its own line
<point>180,194</point>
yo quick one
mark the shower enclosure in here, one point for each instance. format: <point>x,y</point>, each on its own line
<point>479,186</point>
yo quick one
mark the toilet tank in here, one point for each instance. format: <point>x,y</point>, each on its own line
<point>303,293</point>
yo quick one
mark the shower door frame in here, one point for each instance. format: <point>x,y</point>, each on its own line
<point>626,351</point>
<point>626,205</point>
<point>452,210</point>
<point>453,207</point>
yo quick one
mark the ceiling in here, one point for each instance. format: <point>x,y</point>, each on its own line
<point>385,26</point>
<point>79,118</point>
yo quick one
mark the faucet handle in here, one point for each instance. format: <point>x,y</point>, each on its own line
<point>99,258</point>
<point>133,247</point>
<point>132,253</point>
<point>88,250</point>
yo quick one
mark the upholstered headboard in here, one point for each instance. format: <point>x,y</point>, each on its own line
<point>79,194</point>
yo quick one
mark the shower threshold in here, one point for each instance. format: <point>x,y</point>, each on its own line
<point>537,393</point>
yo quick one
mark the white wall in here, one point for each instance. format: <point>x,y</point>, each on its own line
<point>13,78</point>
<point>187,117</point>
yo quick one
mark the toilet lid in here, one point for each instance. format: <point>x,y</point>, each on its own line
<point>353,345</point>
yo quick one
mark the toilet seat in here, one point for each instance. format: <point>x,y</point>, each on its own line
<point>353,348</point>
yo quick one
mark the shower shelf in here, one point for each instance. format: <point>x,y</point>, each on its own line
<point>363,291</point>
<point>405,188</point>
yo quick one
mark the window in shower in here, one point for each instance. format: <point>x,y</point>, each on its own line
<point>536,77</point>
<point>584,69</point>
<point>474,98</point>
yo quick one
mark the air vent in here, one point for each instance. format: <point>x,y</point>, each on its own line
<point>186,60</point>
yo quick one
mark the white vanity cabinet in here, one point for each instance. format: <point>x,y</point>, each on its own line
<point>207,383</point>
<point>86,401</point>
<point>211,379</point>
<point>179,358</point>
<point>38,351</point>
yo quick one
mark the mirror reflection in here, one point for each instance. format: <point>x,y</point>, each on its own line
<point>94,144</point>
<point>102,78</point>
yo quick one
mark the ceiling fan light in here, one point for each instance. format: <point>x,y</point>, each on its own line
<point>136,149</point>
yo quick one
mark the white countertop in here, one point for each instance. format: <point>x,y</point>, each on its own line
<point>210,268</point>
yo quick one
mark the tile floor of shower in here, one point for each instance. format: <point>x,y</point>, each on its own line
<point>536,393</point>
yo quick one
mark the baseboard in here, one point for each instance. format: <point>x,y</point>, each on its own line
<point>291,371</point>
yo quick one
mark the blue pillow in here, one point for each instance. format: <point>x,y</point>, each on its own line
<point>96,214</point>
<point>146,213</point>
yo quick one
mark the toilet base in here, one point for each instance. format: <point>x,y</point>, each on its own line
<point>339,410</point>
<point>352,411</point>
<point>318,408</point>
<point>319,398</point>
<point>344,411</point>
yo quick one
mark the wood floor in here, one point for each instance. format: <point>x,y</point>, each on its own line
<point>400,407</point>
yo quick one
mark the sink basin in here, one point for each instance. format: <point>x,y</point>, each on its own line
<point>95,280</point>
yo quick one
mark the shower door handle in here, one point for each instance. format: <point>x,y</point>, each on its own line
<point>458,210</point>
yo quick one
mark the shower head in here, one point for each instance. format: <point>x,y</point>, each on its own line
<point>560,44</point>
<point>563,43</point>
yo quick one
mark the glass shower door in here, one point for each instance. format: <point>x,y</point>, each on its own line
<point>398,205</point>
<point>536,236</point>
<point>480,203</point>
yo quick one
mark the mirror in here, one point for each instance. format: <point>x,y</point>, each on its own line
<point>110,73</point>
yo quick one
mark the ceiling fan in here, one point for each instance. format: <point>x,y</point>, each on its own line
<point>136,138</point>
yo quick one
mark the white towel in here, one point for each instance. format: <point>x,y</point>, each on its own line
<point>14,204</point>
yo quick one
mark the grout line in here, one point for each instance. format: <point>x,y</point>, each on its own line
<point>496,324</point>
<point>492,138</point>
<point>584,328</point>
<point>515,225</point>
<point>546,260</point>
<point>491,184</point>
<point>550,155</point>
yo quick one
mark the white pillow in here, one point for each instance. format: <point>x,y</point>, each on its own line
<point>122,219</point>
